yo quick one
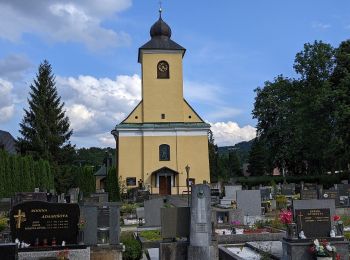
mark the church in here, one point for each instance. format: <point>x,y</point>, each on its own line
<point>163,142</point>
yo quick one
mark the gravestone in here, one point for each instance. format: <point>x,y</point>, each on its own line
<point>288,189</point>
<point>249,201</point>
<point>230,191</point>
<point>29,196</point>
<point>100,197</point>
<point>265,194</point>
<point>102,223</point>
<point>343,189</point>
<point>37,220</point>
<point>331,194</point>
<point>8,251</point>
<point>74,195</point>
<point>140,213</point>
<point>315,223</point>
<point>201,246</point>
<point>230,195</point>
<point>175,222</point>
<point>314,215</point>
<point>152,212</point>
<point>308,194</point>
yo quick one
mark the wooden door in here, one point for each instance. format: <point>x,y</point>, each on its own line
<point>164,185</point>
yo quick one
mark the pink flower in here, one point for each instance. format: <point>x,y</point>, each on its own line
<point>286,216</point>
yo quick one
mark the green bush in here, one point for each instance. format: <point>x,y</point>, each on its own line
<point>346,220</point>
<point>151,235</point>
<point>347,235</point>
<point>129,208</point>
<point>133,249</point>
<point>3,223</point>
<point>281,201</point>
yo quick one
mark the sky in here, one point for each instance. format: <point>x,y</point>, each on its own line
<point>233,47</point>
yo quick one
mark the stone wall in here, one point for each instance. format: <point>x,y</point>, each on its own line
<point>107,253</point>
<point>242,238</point>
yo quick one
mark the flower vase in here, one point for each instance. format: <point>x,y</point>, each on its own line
<point>81,237</point>
<point>291,231</point>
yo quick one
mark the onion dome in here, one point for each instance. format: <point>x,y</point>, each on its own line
<point>160,28</point>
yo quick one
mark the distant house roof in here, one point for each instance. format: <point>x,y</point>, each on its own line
<point>7,142</point>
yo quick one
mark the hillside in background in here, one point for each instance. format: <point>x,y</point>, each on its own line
<point>242,149</point>
<point>92,156</point>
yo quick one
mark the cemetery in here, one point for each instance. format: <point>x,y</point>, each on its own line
<point>167,190</point>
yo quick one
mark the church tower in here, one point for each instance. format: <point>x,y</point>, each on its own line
<point>163,134</point>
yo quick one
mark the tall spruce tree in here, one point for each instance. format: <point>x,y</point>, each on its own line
<point>45,127</point>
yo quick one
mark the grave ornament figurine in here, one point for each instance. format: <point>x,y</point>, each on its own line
<point>302,235</point>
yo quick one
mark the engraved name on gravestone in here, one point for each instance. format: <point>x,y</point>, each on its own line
<point>308,194</point>
<point>316,223</point>
<point>37,220</point>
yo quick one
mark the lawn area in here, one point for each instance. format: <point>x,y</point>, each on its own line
<point>150,235</point>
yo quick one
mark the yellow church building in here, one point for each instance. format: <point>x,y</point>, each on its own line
<point>163,134</point>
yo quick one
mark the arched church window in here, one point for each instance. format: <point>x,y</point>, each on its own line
<point>164,152</point>
<point>163,70</point>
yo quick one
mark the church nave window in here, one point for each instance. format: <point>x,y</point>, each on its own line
<point>164,152</point>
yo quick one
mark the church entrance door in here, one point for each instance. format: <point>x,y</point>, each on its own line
<point>164,185</point>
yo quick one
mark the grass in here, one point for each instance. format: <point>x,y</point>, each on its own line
<point>150,235</point>
<point>346,220</point>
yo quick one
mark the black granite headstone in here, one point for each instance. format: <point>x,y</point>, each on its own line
<point>36,221</point>
<point>331,194</point>
<point>343,189</point>
<point>316,223</point>
<point>8,251</point>
<point>288,189</point>
<point>308,194</point>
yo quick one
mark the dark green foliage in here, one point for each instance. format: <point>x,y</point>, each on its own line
<point>257,159</point>
<point>327,181</point>
<point>85,179</point>
<point>92,156</point>
<point>45,127</point>
<point>22,173</point>
<point>303,123</point>
<point>133,249</point>
<point>113,188</point>
<point>213,158</point>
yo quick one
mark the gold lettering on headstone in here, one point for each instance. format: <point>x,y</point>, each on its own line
<point>20,217</point>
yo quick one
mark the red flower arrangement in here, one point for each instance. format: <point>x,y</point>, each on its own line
<point>286,216</point>
<point>336,218</point>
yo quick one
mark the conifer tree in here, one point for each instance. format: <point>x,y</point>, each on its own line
<point>113,185</point>
<point>45,128</point>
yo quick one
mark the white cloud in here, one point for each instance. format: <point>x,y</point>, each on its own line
<point>94,105</point>
<point>320,25</point>
<point>63,21</point>
<point>7,107</point>
<point>230,133</point>
<point>106,139</point>
<point>13,67</point>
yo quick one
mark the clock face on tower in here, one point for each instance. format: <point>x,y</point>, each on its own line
<point>163,66</point>
<point>163,70</point>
